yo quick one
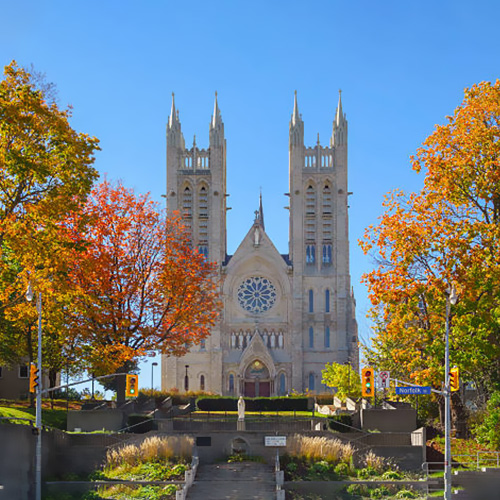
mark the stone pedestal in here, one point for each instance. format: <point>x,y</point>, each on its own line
<point>241,425</point>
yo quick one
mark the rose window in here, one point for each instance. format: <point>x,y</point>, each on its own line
<point>256,294</point>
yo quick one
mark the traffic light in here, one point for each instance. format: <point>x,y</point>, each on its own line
<point>33,377</point>
<point>367,382</point>
<point>454,379</point>
<point>132,385</point>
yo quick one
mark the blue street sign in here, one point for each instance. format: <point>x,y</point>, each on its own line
<point>413,390</point>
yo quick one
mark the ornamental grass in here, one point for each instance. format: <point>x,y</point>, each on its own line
<point>152,449</point>
<point>319,448</point>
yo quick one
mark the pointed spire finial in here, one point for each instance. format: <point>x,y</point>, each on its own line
<point>339,115</point>
<point>216,118</point>
<point>194,141</point>
<point>173,114</point>
<point>261,210</point>
<point>295,114</point>
<point>318,139</point>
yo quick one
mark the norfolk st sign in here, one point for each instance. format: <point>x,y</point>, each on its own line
<point>405,391</point>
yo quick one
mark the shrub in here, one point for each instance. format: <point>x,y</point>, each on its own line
<point>339,422</point>
<point>343,469</point>
<point>391,475</point>
<point>488,432</point>
<point>374,462</point>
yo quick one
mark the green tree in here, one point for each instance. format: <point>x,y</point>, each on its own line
<point>343,378</point>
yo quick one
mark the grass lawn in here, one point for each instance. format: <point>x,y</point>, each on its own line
<point>51,417</point>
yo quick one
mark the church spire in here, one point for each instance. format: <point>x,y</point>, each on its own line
<point>216,126</point>
<point>296,125</point>
<point>339,132</point>
<point>216,117</point>
<point>339,116</point>
<point>174,116</point>
<point>295,115</point>
<point>261,211</point>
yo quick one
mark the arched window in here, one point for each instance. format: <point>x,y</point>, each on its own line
<point>187,203</point>
<point>311,381</point>
<point>203,249</point>
<point>327,254</point>
<point>203,345</point>
<point>327,337</point>
<point>231,384</point>
<point>203,203</point>
<point>310,254</point>
<point>311,301</point>
<point>327,301</point>
<point>282,385</point>
<point>202,382</point>
<point>327,200</point>
<point>311,337</point>
<point>310,201</point>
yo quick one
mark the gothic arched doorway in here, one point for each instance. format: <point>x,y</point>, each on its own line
<point>257,380</point>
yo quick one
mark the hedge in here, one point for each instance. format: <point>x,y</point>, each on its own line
<point>254,404</point>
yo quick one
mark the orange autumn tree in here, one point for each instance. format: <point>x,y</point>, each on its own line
<point>144,289</point>
<point>46,173</point>
<point>448,233</point>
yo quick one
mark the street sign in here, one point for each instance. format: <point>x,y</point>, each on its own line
<point>383,380</point>
<point>274,440</point>
<point>413,390</point>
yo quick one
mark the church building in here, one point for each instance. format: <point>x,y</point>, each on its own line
<point>284,315</point>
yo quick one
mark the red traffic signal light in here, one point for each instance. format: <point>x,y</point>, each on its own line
<point>132,386</point>
<point>33,377</point>
<point>454,379</point>
<point>367,382</point>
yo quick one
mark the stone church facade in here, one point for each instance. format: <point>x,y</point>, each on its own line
<point>284,316</point>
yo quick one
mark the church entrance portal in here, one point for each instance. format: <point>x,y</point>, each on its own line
<point>257,382</point>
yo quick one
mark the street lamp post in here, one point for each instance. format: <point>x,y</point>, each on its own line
<point>451,299</point>
<point>152,367</point>
<point>186,379</point>
<point>38,417</point>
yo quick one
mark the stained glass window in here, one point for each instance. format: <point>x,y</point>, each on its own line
<point>256,294</point>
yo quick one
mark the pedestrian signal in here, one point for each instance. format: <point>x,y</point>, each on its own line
<point>132,386</point>
<point>454,379</point>
<point>33,377</point>
<point>367,382</point>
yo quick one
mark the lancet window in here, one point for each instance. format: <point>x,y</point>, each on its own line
<point>327,337</point>
<point>310,254</point>
<point>327,254</point>
<point>203,203</point>
<point>327,200</point>
<point>310,201</point>
<point>187,203</point>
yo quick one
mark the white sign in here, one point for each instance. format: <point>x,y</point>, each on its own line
<point>383,380</point>
<point>274,440</point>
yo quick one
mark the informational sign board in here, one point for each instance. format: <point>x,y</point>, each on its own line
<point>413,390</point>
<point>383,380</point>
<point>274,440</point>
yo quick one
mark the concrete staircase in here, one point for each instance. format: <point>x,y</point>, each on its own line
<point>235,481</point>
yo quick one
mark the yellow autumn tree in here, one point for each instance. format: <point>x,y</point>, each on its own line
<point>447,234</point>
<point>46,172</point>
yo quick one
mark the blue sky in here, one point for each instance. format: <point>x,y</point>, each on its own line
<point>402,67</point>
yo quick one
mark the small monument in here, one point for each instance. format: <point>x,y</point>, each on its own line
<point>241,414</point>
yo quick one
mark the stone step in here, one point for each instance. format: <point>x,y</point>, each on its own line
<point>238,481</point>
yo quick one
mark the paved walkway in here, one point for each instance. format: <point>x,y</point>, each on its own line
<point>238,481</point>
